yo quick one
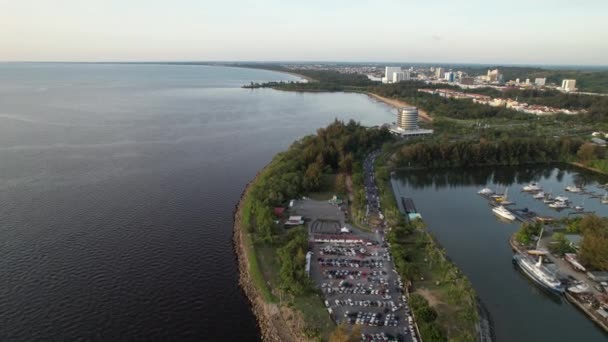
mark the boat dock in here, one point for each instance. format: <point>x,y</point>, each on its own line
<point>581,301</point>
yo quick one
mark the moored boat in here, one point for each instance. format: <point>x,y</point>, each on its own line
<point>536,271</point>
<point>486,192</point>
<point>503,212</point>
<point>558,205</point>
<point>579,288</point>
<point>539,195</point>
<point>573,188</point>
<point>532,187</point>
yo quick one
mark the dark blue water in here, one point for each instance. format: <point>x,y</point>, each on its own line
<point>117,187</point>
<point>478,243</point>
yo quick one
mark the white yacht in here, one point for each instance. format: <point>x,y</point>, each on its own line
<point>562,199</point>
<point>503,212</point>
<point>532,187</point>
<point>604,199</point>
<point>573,188</point>
<point>486,191</point>
<point>539,195</point>
<point>536,270</point>
<point>558,205</point>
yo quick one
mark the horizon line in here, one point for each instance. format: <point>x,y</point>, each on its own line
<point>300,62</point>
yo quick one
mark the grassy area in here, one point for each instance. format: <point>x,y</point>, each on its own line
<point>315,315</point>
<point>256,271</point>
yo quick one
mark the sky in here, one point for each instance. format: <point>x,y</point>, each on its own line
<point>449,31</point>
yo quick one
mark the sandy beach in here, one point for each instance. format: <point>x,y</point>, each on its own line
<point>399,104</point>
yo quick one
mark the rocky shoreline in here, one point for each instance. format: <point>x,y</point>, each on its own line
<point>276,322</point>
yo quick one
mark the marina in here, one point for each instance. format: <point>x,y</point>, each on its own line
<point>476,243</point>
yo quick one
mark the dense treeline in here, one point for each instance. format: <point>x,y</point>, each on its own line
<point>480,153</point>
<point>298,171</point>
<point>594,246</point>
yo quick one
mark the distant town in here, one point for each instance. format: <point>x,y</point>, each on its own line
<point>440,75</point>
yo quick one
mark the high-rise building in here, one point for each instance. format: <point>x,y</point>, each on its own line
<point>388,74</point>
<point>493,75</point>
<point>569,85</point>
<point>449,76</point>
<point>439,73</point>
<point>527,81</point>
<point>397,77</point>
<point>407,118</point>
<point>540,82</point>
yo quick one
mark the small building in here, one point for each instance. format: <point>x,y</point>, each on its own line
<point>294,221</point>
<point>598,276</point>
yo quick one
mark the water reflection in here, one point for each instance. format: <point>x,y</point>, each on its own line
<point>503,176</point>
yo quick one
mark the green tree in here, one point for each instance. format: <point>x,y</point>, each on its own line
<point>586,152</point>
<point>594,246</point>
<point>560,245</point>
<point>312,177</point>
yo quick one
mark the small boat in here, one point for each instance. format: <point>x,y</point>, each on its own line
<point>558,205</point>
<point>503,212</point>
<point>502,198</point>
<point>573,260</point>
<point>573,188</point>
<point>579,288</point>
<point>486,191</point>
<point>539,195</point>
<point>579,208</point>
<point>562,199</point>
<point>604,199</point>
<point>532,187</point>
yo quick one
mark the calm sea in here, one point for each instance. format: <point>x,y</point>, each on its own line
<point>117,187</point>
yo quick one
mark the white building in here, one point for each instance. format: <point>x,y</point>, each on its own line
<point>389,73</point>
<point>407,123</point>
<point>407,118</point>
<point>569,85</point>
<point>540,82</point>
<point>439,73</point>
<point>493,75</point>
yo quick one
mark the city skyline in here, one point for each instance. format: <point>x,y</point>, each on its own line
<point>518,33</point>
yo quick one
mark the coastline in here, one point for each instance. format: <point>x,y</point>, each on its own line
<point>271,317</point>
<point>424,116</point>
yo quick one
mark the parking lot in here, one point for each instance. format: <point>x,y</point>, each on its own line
<point>355,272</point>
